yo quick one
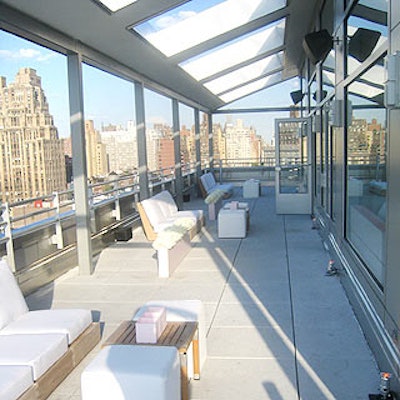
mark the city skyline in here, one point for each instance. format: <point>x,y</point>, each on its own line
<point>51,66</point>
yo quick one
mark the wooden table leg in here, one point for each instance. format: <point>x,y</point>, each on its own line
<point>196,356</point>
<point>184,377</point>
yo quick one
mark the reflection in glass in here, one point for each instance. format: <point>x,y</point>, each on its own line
<point>367,30</point>
<point>366,174</point>
<point>293,157</point>
<point>328,73</point>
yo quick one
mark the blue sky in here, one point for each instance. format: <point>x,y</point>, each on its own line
<point>110,100</point>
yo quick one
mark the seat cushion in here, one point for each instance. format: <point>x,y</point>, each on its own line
<point>166,203</point>
<point>197,214</point>
<point>14,380</point>
<point>208,182</point>
<point>12,302</point>
<point>120,372</point>
<point>39,352</point>
<point>69,322</point>
<point>153,212</point>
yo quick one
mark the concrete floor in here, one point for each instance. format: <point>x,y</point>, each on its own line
<point>278,327</point>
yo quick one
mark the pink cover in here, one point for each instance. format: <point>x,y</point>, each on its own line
<point>150,325</point>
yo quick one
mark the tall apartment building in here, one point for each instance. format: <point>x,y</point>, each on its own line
<point>241,142</point>
<point>96,156</point>
<point>160,147</point>
<point>152,144</point>
<point>121,147</point>
<point>366,142</point>
<point>188,145</point>
<point>31,154</point>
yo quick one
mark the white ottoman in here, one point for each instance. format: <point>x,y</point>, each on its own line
<point>241,206</point>
<point>232,223</point>
<point>251,188</point>
<point>122,372</point>
<point>184,310</point>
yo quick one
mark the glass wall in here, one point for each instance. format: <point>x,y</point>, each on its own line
<point>367,30</point>
<point>110,129</point>
<point>159,134</point>
<point>34,122</point>
<point>366,169</point>
<point>205,140</point>
<point>188,138</point>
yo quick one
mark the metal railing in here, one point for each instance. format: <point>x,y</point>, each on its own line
<point>38,228</point>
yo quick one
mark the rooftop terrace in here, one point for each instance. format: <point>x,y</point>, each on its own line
<point>278,327</point>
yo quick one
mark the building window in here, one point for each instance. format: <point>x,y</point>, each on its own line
<point>366,169</point>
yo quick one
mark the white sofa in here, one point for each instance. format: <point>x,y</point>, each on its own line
<point>208,185</point>
<point>160,211</point>
<point>47,343</point>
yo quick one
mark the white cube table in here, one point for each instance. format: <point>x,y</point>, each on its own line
<point>241,205</point>
<point>232,223</point>
<point>184,310</point>
<point>121,372</point>
<point>251,188</point>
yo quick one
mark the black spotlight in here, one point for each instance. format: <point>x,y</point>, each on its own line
<point>296,96</point>
<point>317,45</point>
<point>323,94</point>
<point>362,43</point>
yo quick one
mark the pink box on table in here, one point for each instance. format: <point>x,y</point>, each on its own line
<point>150,325</point>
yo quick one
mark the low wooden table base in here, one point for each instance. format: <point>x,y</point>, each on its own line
<point>178,334</point>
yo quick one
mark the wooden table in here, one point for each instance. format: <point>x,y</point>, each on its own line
<point>178,334</point>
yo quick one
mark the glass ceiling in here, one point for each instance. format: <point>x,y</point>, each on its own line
<point>245,74</point>
<point>236,52</point>
<point>191,24</point>
<point>250,60</point>
<point>251,87</point>
<point>370,84</point>
<point>115,5</point>
<point>381,5</point>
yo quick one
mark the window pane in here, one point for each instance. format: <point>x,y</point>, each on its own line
<point>263,67</point>
<point>115,5</point>
<point>200,22</point>
<point>366,172</point>
<point>236,52</point>
<point>367,29</point>
<point>34,123</point>
<point>159,134</point>
<point>111,145</point>
<point>205,140</point>
<point>188,138</point>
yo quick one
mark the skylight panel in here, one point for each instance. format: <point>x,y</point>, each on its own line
<point>236,52</point>
<point>251,87</point>
<point>115,5</point>
<point>328,78</point>
<point>364,90</point>
<point>246,74</point>
<point>191,24</point>
<point>381,5</point>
